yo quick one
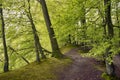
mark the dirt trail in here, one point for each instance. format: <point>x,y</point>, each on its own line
<point>81,68</point>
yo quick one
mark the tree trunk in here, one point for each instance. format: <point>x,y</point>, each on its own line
<point>69,39</point>
<point>55,49</point>
<point>104,27</point>
<point>38,47</point>
<point>6,60</point>
<point>107,4</point>
<point>117,17</point>
<point>19,55</point>
<point>103,23</point>
<point>83,24</point>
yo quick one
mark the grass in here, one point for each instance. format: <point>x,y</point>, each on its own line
<point>46,70</point>
<point>67,48</point>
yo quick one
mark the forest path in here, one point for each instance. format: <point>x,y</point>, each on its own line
<point>80,69</point>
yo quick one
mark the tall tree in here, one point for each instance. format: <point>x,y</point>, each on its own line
<point>6,60</point>
<point>117,17</point>
<point>38,46</point>
<point>107,4</point>
<point>83,22</point>
<point>55,49</point>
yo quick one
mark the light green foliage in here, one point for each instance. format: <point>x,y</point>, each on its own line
<point>19,34</point>
<point>66,16</point>
<point>99,51</point>
<point>107,77</point>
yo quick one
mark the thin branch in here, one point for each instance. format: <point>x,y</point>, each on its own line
<point>45,50</point>
<point>116,26</point>
<point>19,55</point>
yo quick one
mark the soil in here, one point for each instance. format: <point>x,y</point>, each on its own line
<point>81,68</point>
<point>116,62</point>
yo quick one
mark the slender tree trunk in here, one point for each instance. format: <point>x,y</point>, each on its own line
<point>83,18</point>
<point>38,47</point>
<point>19,55</point>
<point>83,24</point>
<point>37,43</point>
<point>103,23</point>
<point>6,60</point>
<point>107,4</point>
<point>117,17</point>
<point>69,39</point>
<point>104,26</point>
<point>55,49</point>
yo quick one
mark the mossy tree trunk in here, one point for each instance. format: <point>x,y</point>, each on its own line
<point>117,17</point>
<point>107,4</point>
<point>6,58</point>
<point>55,49</point>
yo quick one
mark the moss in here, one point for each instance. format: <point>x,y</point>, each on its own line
<point>67,48</point>
<point>107,77</point>
<point>46,70</point>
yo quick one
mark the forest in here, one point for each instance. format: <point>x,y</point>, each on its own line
<point>59,39</point>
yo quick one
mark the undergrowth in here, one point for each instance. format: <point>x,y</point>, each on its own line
<point>107,77</point>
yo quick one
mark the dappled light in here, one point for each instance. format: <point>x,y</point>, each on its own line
<point>60,40</point>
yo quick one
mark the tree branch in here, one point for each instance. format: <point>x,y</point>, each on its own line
<point>19,55</point>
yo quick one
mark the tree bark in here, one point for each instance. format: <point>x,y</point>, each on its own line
<point>104,27</point>
<point>38,46</point>
<point>117,17</point>
<point>19,55</point>
<point>55,49</point>
<point>107,3</point>
<point>6,60</point>
<point>83,24</point>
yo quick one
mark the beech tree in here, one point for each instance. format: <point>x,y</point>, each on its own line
<point>6,58</point>
<point>37,43</point>
<point>117,17</point>
<point>96,27</point>
<point>107,4</point>
<point>55,48</point>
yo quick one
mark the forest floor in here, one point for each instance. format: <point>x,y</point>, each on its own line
<point>82,68</point>
<point>79,68</point>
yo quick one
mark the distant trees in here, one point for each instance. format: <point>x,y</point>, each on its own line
<point>95,23</point>
<point>6,58</point>
<point>90,23</point>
